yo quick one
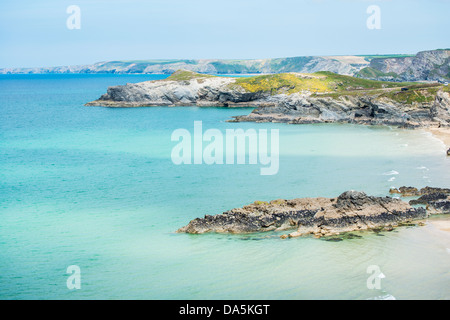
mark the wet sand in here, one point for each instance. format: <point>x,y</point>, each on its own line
<point>442,224</point>
<point>441,133</point>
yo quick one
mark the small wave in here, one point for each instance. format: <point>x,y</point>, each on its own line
<point>385,297</point>
<point>390,173</point>
<point>423,168</point>
<point>391,179</point>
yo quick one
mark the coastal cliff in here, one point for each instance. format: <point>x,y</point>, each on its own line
<point>433,65</point>
<point>295,98</point>
<point>351,211</point>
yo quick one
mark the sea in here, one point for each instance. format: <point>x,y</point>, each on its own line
<point>95,190</point>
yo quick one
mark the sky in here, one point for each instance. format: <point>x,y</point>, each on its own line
<point>34,33</point>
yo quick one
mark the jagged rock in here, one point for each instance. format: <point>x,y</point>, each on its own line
<point>437,200</point>
<point>406,191</point>
<point>427,198</point>
<point>412,191</point>
<point>439,206</point>
<point>350,211</point>
<point>429,190</point>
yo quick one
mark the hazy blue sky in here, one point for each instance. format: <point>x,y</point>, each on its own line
<point>34,33</point>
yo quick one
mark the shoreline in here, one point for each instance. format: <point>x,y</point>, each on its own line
<point>442,134</point>
<point>440,223</point>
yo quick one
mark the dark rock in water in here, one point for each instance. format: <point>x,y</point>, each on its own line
<point>412,191</point>
<point>406,191</point>
<point>429,197</point>
<point>436,199</point>
<point>350,211</point>
<point>439,207</point>
<point>428,190</point>
<point>334,239</point>
<point>342,237</point>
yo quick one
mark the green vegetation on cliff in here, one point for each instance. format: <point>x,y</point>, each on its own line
<point>372,73</point>
<point>185,75</point>
<point>385,56</point>
<point>326,84</point>
<point>425,93</point>
<point>283,83</point>
<point>319,82</point>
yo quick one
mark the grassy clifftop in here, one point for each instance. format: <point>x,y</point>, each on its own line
<point>325,84</point>
<point>334,85</point>
<point>185,75</point>
<point>319,82</point>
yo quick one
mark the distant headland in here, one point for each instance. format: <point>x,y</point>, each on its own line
<point>431,65</point>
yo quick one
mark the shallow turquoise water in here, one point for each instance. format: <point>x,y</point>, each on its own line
<point>96,187</point>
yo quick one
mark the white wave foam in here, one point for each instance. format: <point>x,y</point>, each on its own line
<point>390,173</point>
<point>385,297</point>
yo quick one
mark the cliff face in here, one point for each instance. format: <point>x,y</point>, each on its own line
<point>167,93</point>
<point>294,98</point>
<point>426,65</point>
<point>375,109</point>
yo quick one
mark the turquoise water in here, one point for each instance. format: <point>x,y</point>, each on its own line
<point>96,187</point>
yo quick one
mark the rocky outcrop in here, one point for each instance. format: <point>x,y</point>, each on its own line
<point>440,206</point>
<point>437,200</point>
<point>429,198</point>
<point>293,98</point>
<point>405,191</point>
<point>360,109</point>
<point>350,211</point>
<point>198,91</point>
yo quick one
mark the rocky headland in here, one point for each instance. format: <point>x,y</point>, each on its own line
<point>351,211</point>
<point>321,97</point>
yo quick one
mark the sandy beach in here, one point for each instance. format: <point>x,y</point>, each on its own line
<point>443,224</point>
<point>442,134</point>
